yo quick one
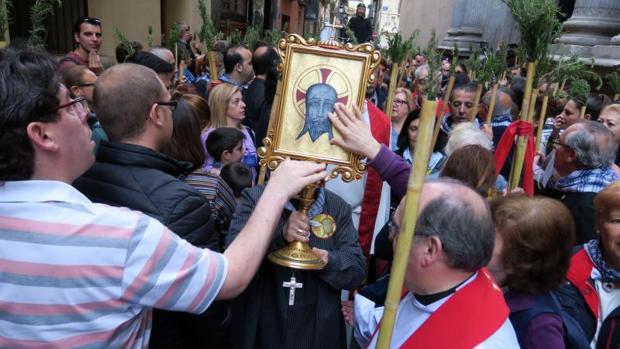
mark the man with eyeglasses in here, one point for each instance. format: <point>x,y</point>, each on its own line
<point>584,155</point>
<point>93,273</point>
<point>88,37</point>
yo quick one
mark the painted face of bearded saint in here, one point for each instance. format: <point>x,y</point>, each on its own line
<point>320,100</point>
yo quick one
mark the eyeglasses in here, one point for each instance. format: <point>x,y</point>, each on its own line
<point>76,105</point>
<point>171,104</point>
<point>558,143</point>
<point>399,102</point>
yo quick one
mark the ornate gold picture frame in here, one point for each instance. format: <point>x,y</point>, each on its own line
<point>315,76</point>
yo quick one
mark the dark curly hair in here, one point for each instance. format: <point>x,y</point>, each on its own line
<point>29,89</point>
<point>538,235</point>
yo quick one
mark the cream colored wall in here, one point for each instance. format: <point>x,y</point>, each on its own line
<point>426,16</point>
<point>184,11</point>
<point>131,17</point>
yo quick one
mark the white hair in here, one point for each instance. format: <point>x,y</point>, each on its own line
<point>466,133</point>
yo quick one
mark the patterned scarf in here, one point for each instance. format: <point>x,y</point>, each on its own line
<point>501,120</point>
<point>607,273</point>
<point>586,181</point>
<point>316,207</point>
<point>446,124</point>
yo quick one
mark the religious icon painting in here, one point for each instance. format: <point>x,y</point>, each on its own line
<point>316,76</point>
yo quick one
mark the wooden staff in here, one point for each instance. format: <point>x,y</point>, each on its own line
<point>391,90</point>
<point>176,53</point>
<point>562,85</point>
<point>446,100</point>
<point>406,233</point>
<point>474,108</point>
<point>517,165</point>
<point>492,103</point>
<point>541,122</point>
<point>182,71</point>
<point>582,112</point>
<point>213,66</point>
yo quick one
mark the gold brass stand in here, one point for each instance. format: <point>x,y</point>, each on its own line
<point>299,255</point>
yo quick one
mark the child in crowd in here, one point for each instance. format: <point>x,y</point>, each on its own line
<point>238,176</point>
<point>225,145</point>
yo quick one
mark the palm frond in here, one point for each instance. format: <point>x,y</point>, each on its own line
<point>433,58</point>
<point>579,91</point>
<point>5,10</point>
<point>538,24</point>
<point>38,13</point>
<point>613,79</point>
<point>126,44</point>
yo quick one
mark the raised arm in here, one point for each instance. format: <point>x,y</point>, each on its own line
<point>355,136</point>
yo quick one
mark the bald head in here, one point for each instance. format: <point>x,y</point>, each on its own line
<point>163,53</point>
<point>460,218</point>
<point>503,103</point>
<point>123,97</point>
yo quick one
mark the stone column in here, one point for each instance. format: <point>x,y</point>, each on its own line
<point>588,32</point>
<point>480,21</point>
<point>467,26</point>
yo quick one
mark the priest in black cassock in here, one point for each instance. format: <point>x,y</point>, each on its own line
<point>291,308</point>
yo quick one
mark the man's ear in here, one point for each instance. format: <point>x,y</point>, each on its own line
<point>154,116</point>
<point>41,136</point>
<point>76,38</point>
<point>74,90</point>
<point>239,67</point>
<point>432,250</point>
<point>587,116</point>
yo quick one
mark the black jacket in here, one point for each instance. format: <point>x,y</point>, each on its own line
<point>145,180</point>
<point>362,28</point>
<point>581,207</point>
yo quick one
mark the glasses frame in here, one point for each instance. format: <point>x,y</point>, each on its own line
<point>557,142</point>
<point>68,104</point>
<point>171,104</point>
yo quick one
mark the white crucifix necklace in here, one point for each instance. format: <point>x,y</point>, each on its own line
<point>292,285</point>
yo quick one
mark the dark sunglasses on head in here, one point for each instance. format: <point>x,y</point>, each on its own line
<point>91,20</point>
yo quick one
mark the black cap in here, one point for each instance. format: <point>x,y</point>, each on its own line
<point>361,4</point>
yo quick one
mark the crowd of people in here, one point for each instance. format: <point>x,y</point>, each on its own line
<point>132,214</point>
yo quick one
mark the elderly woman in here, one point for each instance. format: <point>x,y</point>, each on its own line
<point>401,107</point>
<point>610,117</point>
<point>228,110</point>
<point>533,240</point>
<point>591,293</point>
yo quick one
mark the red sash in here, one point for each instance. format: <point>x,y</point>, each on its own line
<point>578,274</point>
<point>381,130</point>
<point>520,128</point>
<point>468,318</point>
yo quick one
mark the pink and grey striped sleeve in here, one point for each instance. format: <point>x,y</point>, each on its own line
<point>166,272</point>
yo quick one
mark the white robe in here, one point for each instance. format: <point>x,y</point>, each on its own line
<point>353,194</point>
<point>410,316</point>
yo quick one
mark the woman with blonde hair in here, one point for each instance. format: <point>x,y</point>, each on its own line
<point>228,110</point>
<point>610,117</point>
<point>401,107</point>
<point>591,293</point>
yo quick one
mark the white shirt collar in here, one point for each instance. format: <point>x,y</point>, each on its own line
<point>40,191</point>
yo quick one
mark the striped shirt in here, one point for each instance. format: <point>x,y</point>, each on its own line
<point>78,274</point>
